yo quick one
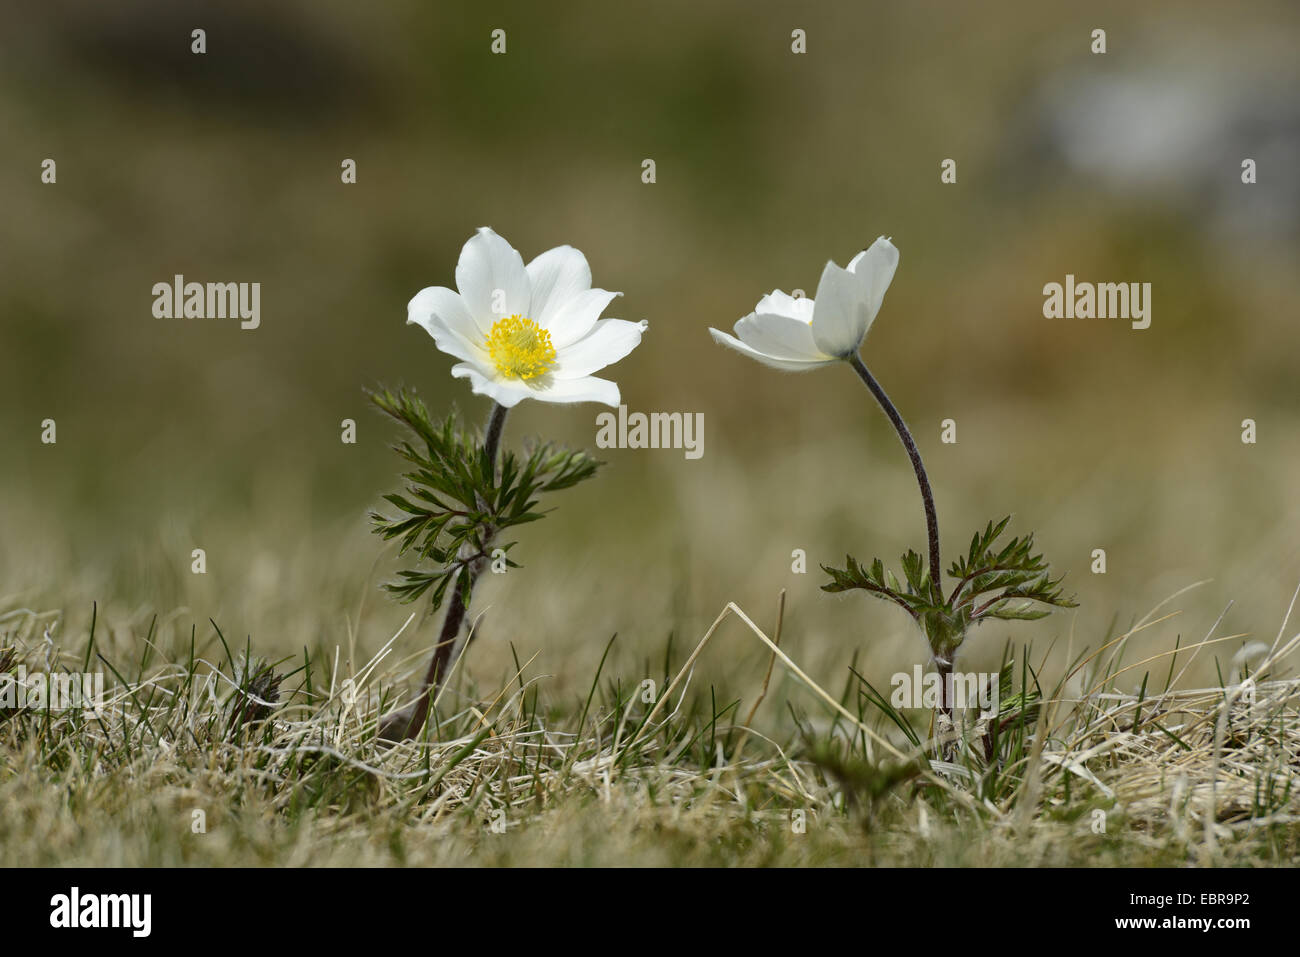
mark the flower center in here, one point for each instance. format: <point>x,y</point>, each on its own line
<point>520,348</point>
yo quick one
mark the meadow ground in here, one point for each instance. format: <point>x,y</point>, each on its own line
<point>198,757</point>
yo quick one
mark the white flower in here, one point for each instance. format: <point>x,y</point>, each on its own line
<point>798,334</point>
<point>526,332</point>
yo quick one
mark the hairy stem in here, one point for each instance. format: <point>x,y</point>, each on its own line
<point>943,667</point>
<point>496,423</point>
<point>943,662</point>
<point>407,722</point>
<point>927,497</point>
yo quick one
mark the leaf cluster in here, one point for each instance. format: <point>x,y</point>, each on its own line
<point>455,500</point>
<point>1005,583</point>
<point>1009,583</point>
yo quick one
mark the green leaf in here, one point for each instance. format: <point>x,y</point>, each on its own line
<point>1008,582</point>
<point>453,507</point>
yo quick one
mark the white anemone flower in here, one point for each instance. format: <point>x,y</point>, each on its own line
<point>526,332</point>
<point>799,334</point>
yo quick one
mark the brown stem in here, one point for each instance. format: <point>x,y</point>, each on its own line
<point>927,496</point>
<point>406,722</point>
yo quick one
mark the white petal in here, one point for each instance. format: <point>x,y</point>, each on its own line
<point>442,313</point>
<point>556,276</point>
<point>510,392</point>
<point>789,365</point>
<point>874,268</point>
<point>781,337</point>
<point>778,303</point>
<point>491,274</point>
<point>840,317</point>
<point>608,341</point>
<point>507,392</point>
<point>575,318</point>
<point>587,389</point>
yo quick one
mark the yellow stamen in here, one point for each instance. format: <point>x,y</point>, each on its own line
<point>520,348</point>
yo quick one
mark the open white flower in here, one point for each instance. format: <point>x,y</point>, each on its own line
<point>526,332</point>
<point>798,334</point>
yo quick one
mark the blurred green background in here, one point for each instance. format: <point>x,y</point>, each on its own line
<point>174,434</point>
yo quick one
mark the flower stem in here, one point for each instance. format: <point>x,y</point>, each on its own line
<point>927,497</point>
<point>407,722</point>
<point>496,424</point>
